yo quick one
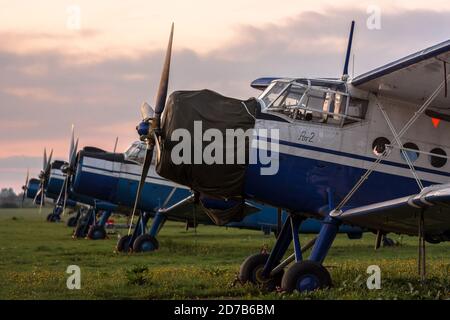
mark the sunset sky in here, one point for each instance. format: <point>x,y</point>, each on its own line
<point>95,75</point>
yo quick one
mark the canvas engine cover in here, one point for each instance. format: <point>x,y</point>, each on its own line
<point>195,112</point>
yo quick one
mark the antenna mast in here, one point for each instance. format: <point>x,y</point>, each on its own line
<point>349,49</point>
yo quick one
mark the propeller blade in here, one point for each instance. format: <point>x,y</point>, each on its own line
<point>44,165</point>
<point>158,148</point>
<point>159,108</point>
<point>164,82</point>
<point>115,144</point>
<point>73,155</point>
<point>58,201</point>
<point>25,188</point>
<point>49,161</point>
<point>147,111</point>
<point>37,195</point>
<point>145,168</point>
<point>42,199</point>
<point>72,143</point>
<point>66,183</point>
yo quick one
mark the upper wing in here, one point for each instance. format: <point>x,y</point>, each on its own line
<point>262,83</point>
<point>402,215</point>
<point>413,78</point>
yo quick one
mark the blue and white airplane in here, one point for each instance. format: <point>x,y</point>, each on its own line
<point>370,151</point>
<point>114,178</point>
<point>51,184</point>
<point>92,193</point>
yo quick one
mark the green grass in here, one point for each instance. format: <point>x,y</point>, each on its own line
<point>34,256</point>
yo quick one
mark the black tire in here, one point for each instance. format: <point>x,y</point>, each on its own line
<point>72,222</point>
<point>124,245</point>
<point>250,271</point>
<point>388,242</point>
<point>354,235</point>
<point>433,239</point>
<point>52,217</point>
<point>80,231</point>
<point>96,233</point>
<point>305,276</point>
<point>145,243</point>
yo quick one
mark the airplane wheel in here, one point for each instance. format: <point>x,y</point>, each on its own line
<point>80,231</point>
<point>96,233</point>
<point>250,271</point>
<point>388,242</point>
<point>124,245</point>
<point>433,239</point>
<point>52,218</point>
<point>72,222</point>
<point>306,276</point>
<point>145,243</point>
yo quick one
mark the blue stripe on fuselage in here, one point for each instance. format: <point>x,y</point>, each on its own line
<point>358,157</point>
<point>301,184</point>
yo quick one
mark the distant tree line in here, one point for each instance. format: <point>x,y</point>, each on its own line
<point>9,199</point>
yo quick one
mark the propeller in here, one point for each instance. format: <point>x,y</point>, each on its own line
<point>150,126</point>
<point>25,187</point>
<point>115,144</point>
<point>68,170</point>
<point>43,176</point>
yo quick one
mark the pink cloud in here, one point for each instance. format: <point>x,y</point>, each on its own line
<point>36,93</point>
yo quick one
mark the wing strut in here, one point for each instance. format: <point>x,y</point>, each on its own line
<point>399,143</point>
<point>397,136</point>
<point>338,210</point>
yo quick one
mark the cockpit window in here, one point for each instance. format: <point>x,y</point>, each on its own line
<point>323,102</point>
<point>136,152</point>
<point>272,92</point>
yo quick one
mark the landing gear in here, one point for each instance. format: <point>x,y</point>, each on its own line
<point>55,216</point>
<point>305,276</point>
<point>433,239</point>
<point>87,225</point>
<point>251,271</point>
<point>84,222</point>
<point>52,218</point>
<point>124,244</point>
<point>139,240</point>
<point>388,242</point>
<point>145,243</point>
<point>97,232</point>
<point>72,222</point>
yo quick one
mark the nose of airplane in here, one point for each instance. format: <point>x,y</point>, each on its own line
<point>55,179</point>
<point>143,128</point>
<point>32,188</point>
<point>94,174</point>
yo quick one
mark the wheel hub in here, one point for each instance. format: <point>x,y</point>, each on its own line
<point>307,282</point>
<point>259,277</point>
<point>147,246</point>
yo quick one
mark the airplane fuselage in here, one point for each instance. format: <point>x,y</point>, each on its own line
<point>317,160</point>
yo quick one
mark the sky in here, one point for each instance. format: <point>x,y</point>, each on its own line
<point>92,64</point>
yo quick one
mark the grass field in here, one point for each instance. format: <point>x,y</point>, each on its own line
<point>34,256</point>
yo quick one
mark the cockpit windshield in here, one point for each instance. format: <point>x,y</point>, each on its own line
<point>136,152</point>
<point>321,101</point>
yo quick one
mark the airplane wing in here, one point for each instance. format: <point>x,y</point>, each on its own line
<point>412,78</point>
<point>402,215</point>
<point>189,209</point>
<point>262,83</point>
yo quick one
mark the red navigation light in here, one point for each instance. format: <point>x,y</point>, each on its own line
<point>435,122</point>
